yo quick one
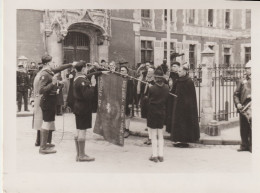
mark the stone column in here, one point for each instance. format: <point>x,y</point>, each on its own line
<point>103,50</point>
<point>206,88</point>
<point>136,28</point>
<point>54,48</point>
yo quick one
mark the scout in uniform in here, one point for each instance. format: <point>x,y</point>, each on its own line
<point>83,92</point>
<point>49,88</point>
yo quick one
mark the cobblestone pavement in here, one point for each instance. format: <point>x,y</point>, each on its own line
<point>112,158</point>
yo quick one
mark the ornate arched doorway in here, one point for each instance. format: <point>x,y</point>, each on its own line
<point>76,47</point>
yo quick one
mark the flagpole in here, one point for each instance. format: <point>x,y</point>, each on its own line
<point>126,75</point>
<point>168,37</point>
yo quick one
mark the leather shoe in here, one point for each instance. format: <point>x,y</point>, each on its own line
<point>126,134</point>
<point>160,158</point>
<point>243,149</point>
<point>154,159</point>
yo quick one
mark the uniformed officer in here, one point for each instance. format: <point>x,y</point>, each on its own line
<point>23,84</point>
<point>242,96</point>
<point>49,88</point>
<point>83,92</point>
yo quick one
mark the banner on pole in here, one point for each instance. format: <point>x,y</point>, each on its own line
<point>110,119</point>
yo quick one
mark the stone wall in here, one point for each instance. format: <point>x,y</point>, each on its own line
<point>29,38</point>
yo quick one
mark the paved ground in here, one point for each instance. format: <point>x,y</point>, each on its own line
<point>112,158</point>
<point>201,168</point>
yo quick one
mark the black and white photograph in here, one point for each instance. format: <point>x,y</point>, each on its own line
<point>110,98</point>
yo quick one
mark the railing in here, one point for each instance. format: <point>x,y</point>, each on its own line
<point>225,80</point>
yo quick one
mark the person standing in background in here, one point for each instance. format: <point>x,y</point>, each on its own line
<point>242,96</point>
<point>185,123</point>
<point>23,84</point>
<point>157,96</point>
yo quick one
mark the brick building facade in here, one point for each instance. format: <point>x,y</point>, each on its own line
<point>134,35</point>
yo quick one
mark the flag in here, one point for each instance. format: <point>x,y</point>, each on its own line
<point>110,119</point>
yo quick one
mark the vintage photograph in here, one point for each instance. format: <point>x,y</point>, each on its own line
<point>162,83</point>
<point>133,91</point>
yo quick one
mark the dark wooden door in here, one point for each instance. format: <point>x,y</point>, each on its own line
<point>76,47</point>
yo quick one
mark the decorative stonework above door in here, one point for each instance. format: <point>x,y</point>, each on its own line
<point>58,21</point>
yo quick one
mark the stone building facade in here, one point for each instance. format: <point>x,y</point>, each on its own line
<point>134,35</point>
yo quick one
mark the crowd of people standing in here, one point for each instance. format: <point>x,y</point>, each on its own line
<point>165,97</point>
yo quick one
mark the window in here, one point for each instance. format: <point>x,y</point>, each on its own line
<point>191,16</point>
<point>248,19</point>
<point>165,15</point>
<point>227,57</point>
<point>145,13</point>
<point>172,48</point>
<point>247,54</point>
<point>210,17</point>
<point>227,19</point>
<point>192,58</point>
<point>211,47</point>
<point>146,51</point>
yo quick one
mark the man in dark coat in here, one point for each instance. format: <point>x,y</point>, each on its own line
<point>185,124</point>
<point>242,96</point>
<point>170,103</point>
<point>23,84</point>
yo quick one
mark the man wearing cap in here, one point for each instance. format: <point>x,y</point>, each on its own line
<point>49,87</point>
<point>83,92</point>
<point>37,111</point>
<point>242,96</point>
<point>23,84</point>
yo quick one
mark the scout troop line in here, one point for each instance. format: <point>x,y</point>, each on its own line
<point>165,102</point>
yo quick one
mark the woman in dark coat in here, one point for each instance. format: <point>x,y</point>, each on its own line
<point>185,121</point>
<point>157,97</point>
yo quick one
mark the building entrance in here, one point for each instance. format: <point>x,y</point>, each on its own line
<point>76,47</point>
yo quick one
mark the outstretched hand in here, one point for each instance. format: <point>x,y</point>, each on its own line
<point>105,72</point>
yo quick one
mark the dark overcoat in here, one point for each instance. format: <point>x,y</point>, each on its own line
<point>171,102</point>
<point>185,119</point>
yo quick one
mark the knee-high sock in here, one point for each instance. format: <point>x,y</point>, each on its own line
<point>154,142</point>
<point>149,133</point>
<point>127,122</point>
<point>160,142</point>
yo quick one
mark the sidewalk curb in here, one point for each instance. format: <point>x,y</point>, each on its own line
<point>202,141</point>
<point>24,114</point>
